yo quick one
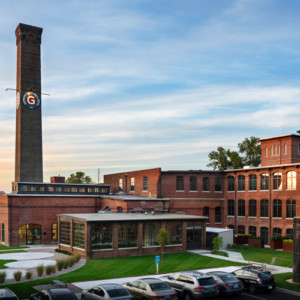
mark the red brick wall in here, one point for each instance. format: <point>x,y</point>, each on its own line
<point>4,218</point>
<point>153,182</point>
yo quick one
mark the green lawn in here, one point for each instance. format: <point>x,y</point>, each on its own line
<point>2,247</point>
<point>281,280</point>
<point>126,267</point>
<point>265,255</point>
<point>3,262</point>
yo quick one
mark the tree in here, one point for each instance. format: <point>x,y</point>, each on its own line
<point>162,240</point>
<point>79,177</point>
<point>223,159</point>
<point>217,243</point>
<point>252,150</point>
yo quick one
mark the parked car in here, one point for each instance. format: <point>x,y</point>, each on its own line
<point>150,288</point>
<point>54,294</point>
<point>193,285</point>
<point>7,294</point>
<point>255,279</point>
<point>228,283</point>
<point>106,291</point>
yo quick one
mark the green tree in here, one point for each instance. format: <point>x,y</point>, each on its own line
<point>251,150</point>
<point>235,160</point>
<point>162,240</point>
<point>217,243</point>
<point>218,159</point>
<point>79,177</point>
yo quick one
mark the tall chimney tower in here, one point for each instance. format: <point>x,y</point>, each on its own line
<point>29,153</point>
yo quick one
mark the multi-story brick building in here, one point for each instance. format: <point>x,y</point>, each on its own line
<point>260,201</point>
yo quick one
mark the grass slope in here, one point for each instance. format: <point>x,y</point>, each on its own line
<point>126,267</point>
<point>265,255</point>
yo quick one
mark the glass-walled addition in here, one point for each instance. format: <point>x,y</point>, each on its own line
<point>174,230</point>
<point>102,236</point>
<point>65,232</point>
<point>150,234</point>
<point>30,234</point>
<point>128,233</point>
<point>79,235</point>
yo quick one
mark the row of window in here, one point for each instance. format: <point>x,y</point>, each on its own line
<point>132,184</point>
<point>264,208</point>
<point>193,184</point>
<point>218,214</point>
<point>275,150</point>
<point>264,182</point>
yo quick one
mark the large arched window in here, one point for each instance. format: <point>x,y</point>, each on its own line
<point>264,181</point>
<point>193,183</point>
<point>252,182</point>
<point>230,184</point>
<point>290,208</point>
<point>252,208</point>
<point>277,181</point>
<point>277,208</point>
<point>241,183</point>
<point>264,208</point>
<point>291,180</point>
<point>252,230</point>
<point>230,207</point>
<point>179,183</point>
<point>241,207</point>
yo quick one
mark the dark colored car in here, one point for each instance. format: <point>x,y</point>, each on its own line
<point>54,294</point>
<point>151,289</point>
<point>228,283</point>
<point>7,294</point>
<point>192,285</point>
<point>255,279</point>
<point>109,291</point>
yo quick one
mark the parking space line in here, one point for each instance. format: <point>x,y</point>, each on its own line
<point>255,297</point>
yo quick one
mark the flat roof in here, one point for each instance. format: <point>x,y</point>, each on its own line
<point>262,167</point>
<point>92,217</point>
<point>127,197</point>
<point>279,136</point>
<point>213,229</point>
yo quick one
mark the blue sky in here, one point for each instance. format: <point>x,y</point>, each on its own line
<point>143,84</point>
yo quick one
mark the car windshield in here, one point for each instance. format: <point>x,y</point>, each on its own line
<point>264,275</point>
<point>228,278</point>
<point>206,281</point>
<point>159,286</point>
<point>117,293</point>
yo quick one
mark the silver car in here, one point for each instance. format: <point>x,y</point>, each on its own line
<point>150,289</point>
<point>109,291</point>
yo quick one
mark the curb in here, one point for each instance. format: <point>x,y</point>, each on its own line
<point>288,291</point>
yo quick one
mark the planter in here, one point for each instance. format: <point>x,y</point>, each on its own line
<point>277,244</point>
<point>239,240</point>
<point>257,243</point>
<point>287,247</point>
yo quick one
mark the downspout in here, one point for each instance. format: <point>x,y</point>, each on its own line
<point>235,204</point>
<point>270,205</point>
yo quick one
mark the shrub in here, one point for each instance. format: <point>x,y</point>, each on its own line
<point>288,241</point>
<point>18,275</point>
<point>63,251</point>
<point>276,237</point>
<point>2,277</point>
<point>60,264</point>
<point>28,275</point>
<point>40,270</point>
<point>66,263</point>
<point>217,243</point>
<point>72,261</point>
<point>48,270</point>
<point>77,258</point>
<point>53,269</point>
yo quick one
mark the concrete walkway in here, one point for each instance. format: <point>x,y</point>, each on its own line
<point>238,257</point>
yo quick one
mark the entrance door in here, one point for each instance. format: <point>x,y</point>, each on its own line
<point>264,233</point>
<point>194,236</point>
<point>30,234</point>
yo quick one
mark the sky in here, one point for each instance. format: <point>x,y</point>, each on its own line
<point>140,84</point>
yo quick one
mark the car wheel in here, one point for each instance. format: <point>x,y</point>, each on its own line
<point>82,298</point>
<point>252,289</point>
<point>187,296</point>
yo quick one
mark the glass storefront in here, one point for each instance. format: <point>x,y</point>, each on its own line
<point>30,234</point>
<point>150,234</point>
<point>174,230</point>
<point>127,235</point>
<point>101,236</point>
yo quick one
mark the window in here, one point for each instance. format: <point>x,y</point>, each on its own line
<point>54,232</point>
<point>266,151</point>
<point>230,207</point>
<point>291,180</point>
<point>193,183</point>
<point>271,150</point>
<point>174,230</point>
<point>132,184</point>
<point>3,233</point>
<point>241,229</point>
<point>206,212</point>
<point>145,183</point>
<point>290,233</point>
<point>79,235</point>
<point>241,183</point>
<point>252,182</point>
<point>150,233</point>
<point>252,208</point>
<point>218,184</point>
<point>230,184</point>
<point>218,216</point>
<point>119,209</point>
<point>264,233</point>
<point>264,208</point>
<point>277,182</point>
<point>298,149</point>
<point>65,233</point>
<point>277,208</point>
<point>127,235</point>
<point>179,183</point>
<point>277,231</point>
<point>290,208</point>
<point>252,230</point>
<point>101,236</point>
<point>230,226</point>
<point>274,150</point>
<point>264,181</point>
<point>284,149</point>
<point>120,184</point>
<point>206,184</point>
<point>241,208</point>
<point>278,150</point>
